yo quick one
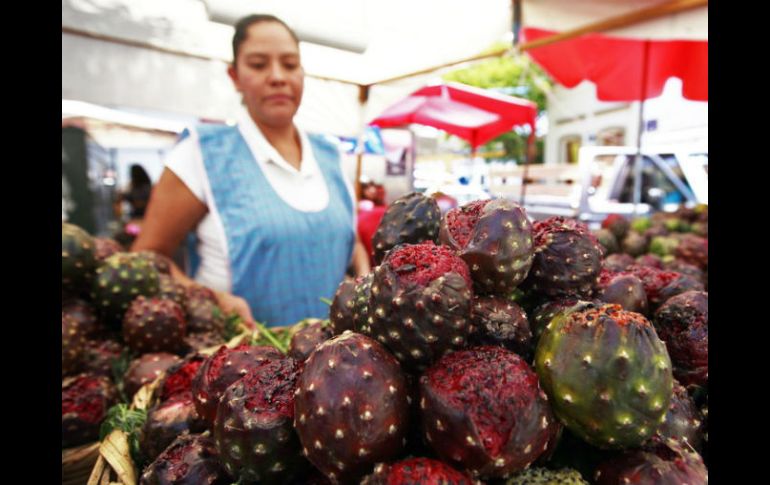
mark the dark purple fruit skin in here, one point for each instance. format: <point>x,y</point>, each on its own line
<point>419,323</point>
<point>567,259</point>
<point>208,386</point>
<point>624,289</point>
<point>304,342</point>
<point>192,459</point>
<point>453,434</point>
<point>106,247</point>
<point>73,344</point>
<point>203,312</point>
<point>499,251</point>
<point>84,313</point>
<point>100,355</point>
<point>154,325</point>
<point>78,259</point>
<point>195,342</point>
<point>77,428</point>
<point>119,280</point>
<point>146,369</point>
<point>352,397</point>
<point>256,440</point>
<point>650,260</point>
<point>341,310</point>
<point>545,312</point>
<point>684,421</point>
<point>682,322</point>
<point>618,262</point>
<point>503,323</point>
<point>663,464</point>
<point>166,421</point>
<point>608,241</point>
<point>411,219</point>
<point>634,244</point>
<point>686,269</point>
<point>171,289</point>
<point>682,284</point>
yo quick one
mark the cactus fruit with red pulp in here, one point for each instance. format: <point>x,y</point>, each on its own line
<point>145,369</point>
<point>618,262</point>
<point>616,224</point>
<point>682,322</point>
<point>78,259</point>
<point>484,411</point>
<point>351,408</point>
<point>341,309</point>
<point>203,312</point>
<point>253,428</point>
<point>167,420</point>
<point>119,280</point>
<point>544,313</point>
<point>417,471</point>
<point>607,374</point>
<point>567,259</point>
<point>314,332</point>
<point>494,237</point>
<point>420,303</point>
<point>660,285</point>
<point>154,325</point>
<point>85,400</point>
<point>223,368</point>
<point>192,459</point>
<point>666,463</point>
<point>73,344</point>
<point>544,476</point>
<point>684,421</point>
<point>501,322</point>
<point>178,378</point>
<point>624,289</point>
<point>411,219</point>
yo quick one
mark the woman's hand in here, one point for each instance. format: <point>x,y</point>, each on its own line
<point>230,304</point>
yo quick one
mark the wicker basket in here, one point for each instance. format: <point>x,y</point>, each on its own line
<point>112,463</point>
<point>77,463</point>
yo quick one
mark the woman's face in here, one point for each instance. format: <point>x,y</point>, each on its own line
<point>268,74</point>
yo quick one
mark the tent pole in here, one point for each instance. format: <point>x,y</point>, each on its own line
<point>638,160</point>
<point>363,98</point>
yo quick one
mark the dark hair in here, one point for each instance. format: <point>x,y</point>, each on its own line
<point>242,27</point>
<point>139,176</point>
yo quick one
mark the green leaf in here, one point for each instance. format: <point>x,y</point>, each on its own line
<point>265,336</point>
<point>130,421</point>
<point>232,326</point>
<point>326,300</point>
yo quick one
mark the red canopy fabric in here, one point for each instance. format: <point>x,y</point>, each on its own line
<point>473,114</point>
<point>616,65</point>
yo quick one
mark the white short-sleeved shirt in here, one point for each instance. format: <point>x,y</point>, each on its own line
<point>304,189</point>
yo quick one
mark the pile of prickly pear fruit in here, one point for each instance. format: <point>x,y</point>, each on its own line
<point>125,321</point>
<point>494,350</point>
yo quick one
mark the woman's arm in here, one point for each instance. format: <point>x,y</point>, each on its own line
<point>172,212</point>
<point>360,259</point>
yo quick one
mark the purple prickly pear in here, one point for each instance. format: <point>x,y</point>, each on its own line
<point>650,260</point>
<point>86,317</point>
<point>544,476</point>
<point>687,269</point>
<point>694,250</point>
<point>195,342</point>
<point>154,325</point>
<point>483,411</point>
<point>223,368</point>
<point>146,369</point>
<point>105,247</point>
<point>411,219</point>
<point>85,400</point>
<point>167,420</point>
<point>417,471</point>
<point>660,285</point>
<point>178,378</point>
<point>203,312</point>
<point>341,310</point>
<point>363,291</point>
<point>624,289</point>
<point>253,428</point>
<point>420,304</point>
<point>313,333</point>
<point>171,289</point>
<point>100,355</point>
<point>351,408</point>
<point>567,259</point>
<point>119,280</point>
<point>617,225</point>
<point>682,323</point>
<point>494,237</point>
<point>666,463</point>
<point>608,241</point>
<point>547,311</point>
<point>192,459</point>
<point>634,244</point>
<point>501,322</point>
<point>607,374</point>
<point>618,262</point>
<point>684,421</point>
<point>73,344</point>
<point>78,259</point>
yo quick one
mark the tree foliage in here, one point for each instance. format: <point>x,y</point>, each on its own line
<point>514,75</point>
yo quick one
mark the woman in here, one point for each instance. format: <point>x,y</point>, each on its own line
<point>272,212</point>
